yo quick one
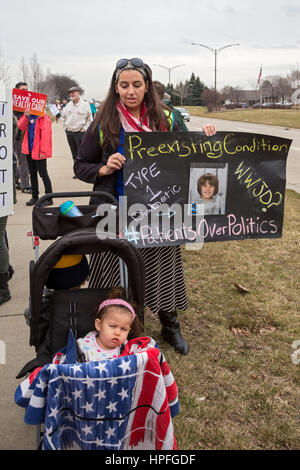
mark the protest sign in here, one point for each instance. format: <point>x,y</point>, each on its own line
<point>6,153</point>
<point>165,175</point>
<point>35,102</point>
<point>53,109</point>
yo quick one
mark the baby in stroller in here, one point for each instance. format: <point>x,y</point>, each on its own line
<point>106,389</point>
<point>114,319</point>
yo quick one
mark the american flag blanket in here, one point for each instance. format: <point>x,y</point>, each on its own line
<point>116,404</point>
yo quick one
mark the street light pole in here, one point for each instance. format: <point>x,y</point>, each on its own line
<point>169,69</point>
<point>215,52</point>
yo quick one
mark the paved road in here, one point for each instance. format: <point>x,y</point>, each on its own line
<point>14,433</point>
<point>293,162</point>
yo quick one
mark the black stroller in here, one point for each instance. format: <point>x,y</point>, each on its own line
<point>73,309</point>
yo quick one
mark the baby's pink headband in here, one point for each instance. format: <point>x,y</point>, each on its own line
<point>109,302</point>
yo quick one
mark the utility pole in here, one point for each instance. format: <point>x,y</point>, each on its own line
<point>169,69</point>
<point>215,52</point>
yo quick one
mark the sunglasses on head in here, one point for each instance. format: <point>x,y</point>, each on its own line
<point>135,62</point>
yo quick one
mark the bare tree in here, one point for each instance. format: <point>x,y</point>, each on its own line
<point>48,87</point>
<point>181,90</point>
<point>24,73</point>
<point>211,99</point>
<point>268,86</point>
<point>294,78</point>
<point>280,86</point>
<point>31,72</point>
<point>62,84</point>
<point>231,93</point>
<point>35,72</point>
<point>4,71</point>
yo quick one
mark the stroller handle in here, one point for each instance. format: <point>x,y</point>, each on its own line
<point>76,194</point>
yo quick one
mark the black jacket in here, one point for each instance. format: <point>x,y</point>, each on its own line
<point>91,157</point>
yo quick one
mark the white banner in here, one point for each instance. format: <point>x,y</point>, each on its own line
<point>6,152</point>
<point>53,109</point>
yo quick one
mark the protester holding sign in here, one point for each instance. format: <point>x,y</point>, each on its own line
<point>37,145</point>
<point>133,105</point>
<point>22,171</point>
<point>24,100</point>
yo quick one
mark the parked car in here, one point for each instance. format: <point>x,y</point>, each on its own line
<point>284,104</point>
<point>185,115</point>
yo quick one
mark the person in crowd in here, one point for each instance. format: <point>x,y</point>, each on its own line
<point>161,91</point>
<point>76,117</point>
<point>37,145</point>
<point>132,104</point>
<point>22,170</point>
<point>93,108</point>
<point>59,108</point>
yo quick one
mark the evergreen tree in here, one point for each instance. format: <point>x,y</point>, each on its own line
<point>197,92</point>
<point>188,93</point>
<point>190,88</point>
<point>195,89</point>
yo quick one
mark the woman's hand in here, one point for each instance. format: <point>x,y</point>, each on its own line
<point>114,162</point>
<point>209,130</point>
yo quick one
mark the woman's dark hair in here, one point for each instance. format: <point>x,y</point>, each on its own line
<point>120,293</point>
<point>160,89</point>
<point>108,117</point>
<point>211,178</point>
<point>20,84</point>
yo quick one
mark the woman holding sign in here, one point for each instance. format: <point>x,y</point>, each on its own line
<point>37,146</point>
<point>132,105</point>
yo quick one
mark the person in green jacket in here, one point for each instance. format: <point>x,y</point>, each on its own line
<point>160,89</point>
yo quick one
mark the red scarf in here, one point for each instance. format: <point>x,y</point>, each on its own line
<point>130,123</point>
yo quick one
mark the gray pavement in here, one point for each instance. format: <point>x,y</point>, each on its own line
<point>14,433</point>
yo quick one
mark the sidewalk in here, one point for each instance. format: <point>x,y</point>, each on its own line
<point>14,433</point>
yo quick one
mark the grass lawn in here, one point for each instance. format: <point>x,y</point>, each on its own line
<point>238,387</point>
<point>275,117</point>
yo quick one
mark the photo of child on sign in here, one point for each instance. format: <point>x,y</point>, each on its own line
<point>34,102</point>
<point>208,186</point>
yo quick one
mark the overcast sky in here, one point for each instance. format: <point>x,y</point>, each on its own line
<point>84,38</point>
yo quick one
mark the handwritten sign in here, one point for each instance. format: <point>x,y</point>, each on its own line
<point>227,187</point>
<point>6,153</point>
<point>35,102</point>
<point>53,109</point>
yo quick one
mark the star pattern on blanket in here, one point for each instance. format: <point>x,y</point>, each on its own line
<point>123,394</point>
<point>112,407</point>
<point>120,403</point>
